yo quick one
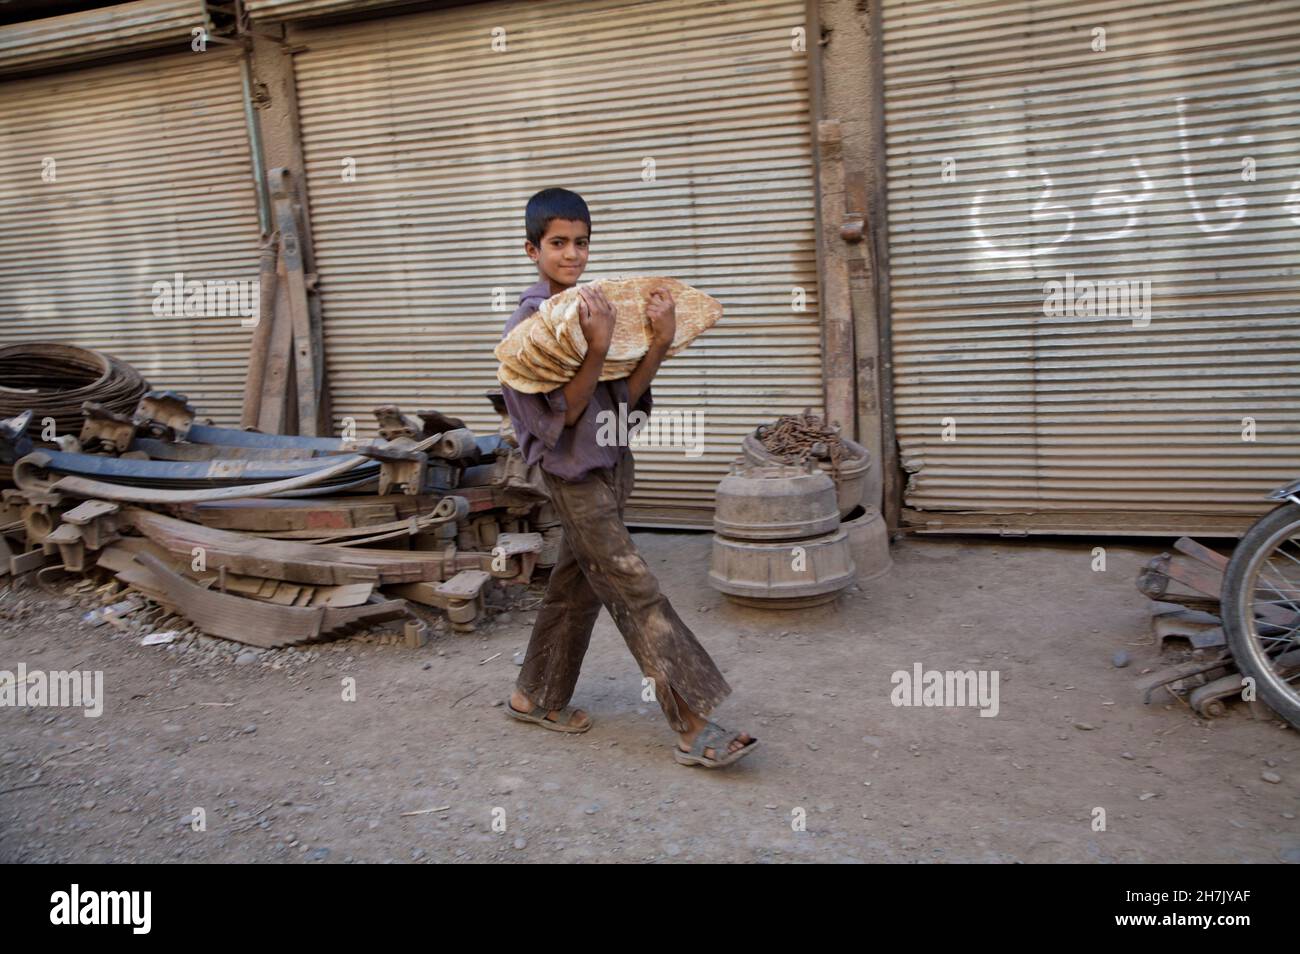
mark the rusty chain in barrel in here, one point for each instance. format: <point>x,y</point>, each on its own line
<point>795,438</point>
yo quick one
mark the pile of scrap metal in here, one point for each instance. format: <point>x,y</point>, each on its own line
<point>1184,590</point>
<point>272,540</point>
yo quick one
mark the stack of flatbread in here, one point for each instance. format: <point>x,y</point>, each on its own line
<point>545,350</point>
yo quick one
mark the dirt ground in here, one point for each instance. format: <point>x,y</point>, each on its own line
<point>286,770</point>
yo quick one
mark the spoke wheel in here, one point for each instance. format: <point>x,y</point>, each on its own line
<point>1261,609</point>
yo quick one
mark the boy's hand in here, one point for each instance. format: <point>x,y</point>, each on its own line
<point>662,312</point>
<point>596,318</point>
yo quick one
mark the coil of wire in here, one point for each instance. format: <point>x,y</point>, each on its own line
<point>52,380</point>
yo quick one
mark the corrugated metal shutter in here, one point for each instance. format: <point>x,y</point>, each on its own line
<point>297,9</point>
<point>125,26</point>
<point>1122,164</point>
<point>152,178</point>
<point>450,139</point>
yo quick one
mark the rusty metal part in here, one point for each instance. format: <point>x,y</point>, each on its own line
<point>401,467</point>
<point>14,442</point>
<point>458,444</point>
<point>394,424</point>
<point>106,428</point>
<point>39,513</point>
<point>461,597</point>
<point>89,526</point>
<point>1209,700</point>
<point>435,422</point>
<point>165,414</point>
<point>1170,674</point>
<point>798,438</point>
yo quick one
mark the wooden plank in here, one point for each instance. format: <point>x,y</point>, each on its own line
<point>1202,553</point>
<point>273,409</point>
<point>1196,576</point>
<point>260,346</point>
<point>306,367</point>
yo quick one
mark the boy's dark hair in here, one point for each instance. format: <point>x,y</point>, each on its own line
<point>553,204</point>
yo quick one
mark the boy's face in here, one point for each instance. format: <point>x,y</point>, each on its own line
<point>562,256</point>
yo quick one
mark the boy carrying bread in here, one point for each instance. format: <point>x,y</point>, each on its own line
<point>589,481</point>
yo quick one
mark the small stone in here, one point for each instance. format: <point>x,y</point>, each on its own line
<point>1127,755</point>
<point>1084,726</point>
<point>246,657</point>
<point>250,729</point>
<point>519,658</point>
<point>88,805</point>
<point>1271,777</point>
<point>320,854</point>
<point>427,665</point>
<point>521,843</point>
<point>1120,659</point>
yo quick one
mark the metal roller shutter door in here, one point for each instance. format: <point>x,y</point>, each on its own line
<point>450,139</point>
<point>153,178</point>
<point>1122,164</point>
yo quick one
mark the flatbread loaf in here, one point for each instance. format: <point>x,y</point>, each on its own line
<point>548,346</point>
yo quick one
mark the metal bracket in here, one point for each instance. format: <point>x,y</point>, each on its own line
<point>166,415</point>
<point>110,429</point>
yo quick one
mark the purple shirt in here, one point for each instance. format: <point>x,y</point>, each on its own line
<point>538,419</point>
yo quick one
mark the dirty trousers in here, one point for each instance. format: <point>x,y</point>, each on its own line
<point>598,565</point>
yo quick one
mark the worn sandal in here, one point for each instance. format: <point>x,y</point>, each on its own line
<point>713,736</point>
<point>538,715</point>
